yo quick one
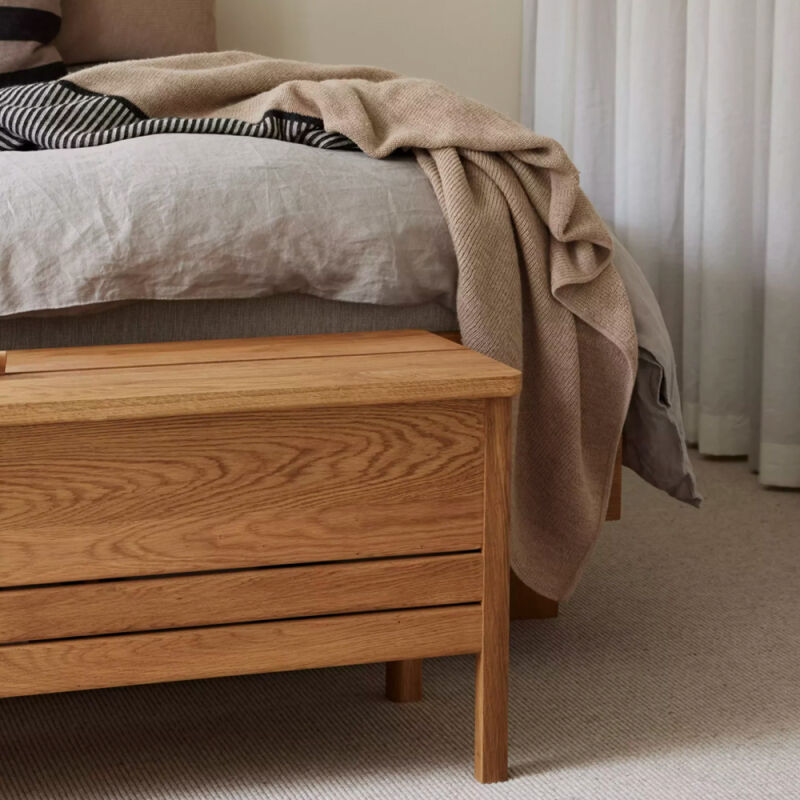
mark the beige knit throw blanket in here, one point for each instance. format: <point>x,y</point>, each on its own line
<point>537,289</point>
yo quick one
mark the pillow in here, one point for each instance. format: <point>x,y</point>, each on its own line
<point>118,30</point>
<point>27,29</point>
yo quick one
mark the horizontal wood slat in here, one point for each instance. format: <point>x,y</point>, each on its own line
<point>108,500</point>
<point>246,386</point>
<point>216,350</point>
<point>91,609</point>
<point>76,664</point>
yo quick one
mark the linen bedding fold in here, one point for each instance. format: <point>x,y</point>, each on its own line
<point>537,288</point>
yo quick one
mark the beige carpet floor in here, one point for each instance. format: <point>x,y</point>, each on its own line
<point>673,673</point>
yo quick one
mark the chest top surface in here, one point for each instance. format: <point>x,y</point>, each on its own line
<point>240,375</point>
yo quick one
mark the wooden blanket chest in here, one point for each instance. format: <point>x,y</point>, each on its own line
<point>203,509</point>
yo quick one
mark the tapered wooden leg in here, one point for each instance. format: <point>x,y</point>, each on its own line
<point>404,680</point>
<point>527,604</point>
<point>491,685</point>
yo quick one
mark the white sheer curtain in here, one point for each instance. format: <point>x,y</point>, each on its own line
<point>684,119</point>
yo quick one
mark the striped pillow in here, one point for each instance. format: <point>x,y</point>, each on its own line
<point>27,29</point>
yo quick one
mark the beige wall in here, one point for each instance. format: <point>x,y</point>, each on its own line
<point>472,46</point>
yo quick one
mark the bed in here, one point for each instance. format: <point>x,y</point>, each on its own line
<point>310,242</point>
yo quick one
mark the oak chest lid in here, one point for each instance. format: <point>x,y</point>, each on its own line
<point>239,375</point>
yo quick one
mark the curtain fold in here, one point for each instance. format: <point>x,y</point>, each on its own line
<point>684,119</point>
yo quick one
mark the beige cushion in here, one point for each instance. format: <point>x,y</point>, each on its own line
<point>27,28</point>
<point>117,30</point>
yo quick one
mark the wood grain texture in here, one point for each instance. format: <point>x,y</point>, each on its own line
<point>109,500</point>
<point>491,684</point>
<point>247,386</point>
<point>91,609</point>
<point>3,359</point>
<point>404,681</point>
<point>76,664</point>
<point>219,350</point>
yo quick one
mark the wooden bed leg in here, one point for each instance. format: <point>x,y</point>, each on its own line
<point>491,684</point>
<point>404,680</point>
<point>2,362</point>
<point>527,604</point>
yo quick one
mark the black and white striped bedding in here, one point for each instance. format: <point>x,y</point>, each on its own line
<point>27,29</point>
<point>61,115</point>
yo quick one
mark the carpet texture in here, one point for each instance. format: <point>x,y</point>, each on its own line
<point>674,672</point>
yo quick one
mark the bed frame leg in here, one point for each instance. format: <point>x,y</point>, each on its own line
<point>491,684</point>
<point>404,680</point>
<point>527,604</point>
